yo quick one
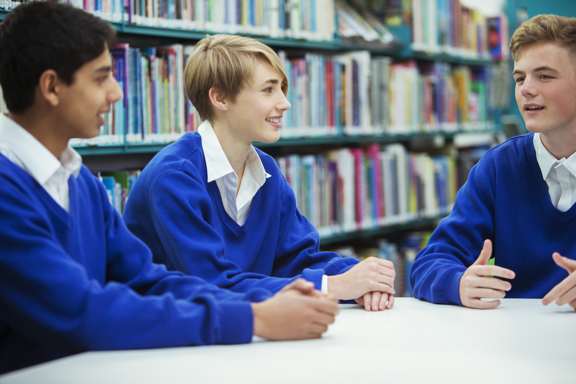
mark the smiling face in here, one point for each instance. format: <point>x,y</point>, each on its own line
<point>545,76</point>
<point>82,104</point>
<point>256,113</point>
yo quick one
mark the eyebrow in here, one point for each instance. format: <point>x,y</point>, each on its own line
<point>537,69</point>
<point>271,81</point>
<point>106,68</point>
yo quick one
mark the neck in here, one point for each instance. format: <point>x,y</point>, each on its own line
<point>561,145</point>
<point>235,149</point>
<point>40,130</point>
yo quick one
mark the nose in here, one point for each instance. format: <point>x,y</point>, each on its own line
<point>283,104</point>
<point>528,87</point>
<point>115,92</point>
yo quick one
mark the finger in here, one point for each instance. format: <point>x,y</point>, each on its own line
<point>560,289</point>
<point>324,306</point>
<point>376,300</point>
<point>564,262</point>
<point>492,270</point>
<point>381,287</point>
<point>489,282</point>
<point>300,285</point>
<point>383,301</point>
<point>367,299</point>
<point>480,304</point>
<point>567,297</point>
<point>484,254</point>
<point>391,300</point>
<point>360,300</point>
<point>483,293</point>
<point>323,319</point>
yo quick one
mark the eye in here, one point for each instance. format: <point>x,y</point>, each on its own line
<point>546,77</point>
<point>268,90</point>
<point>518,79</point>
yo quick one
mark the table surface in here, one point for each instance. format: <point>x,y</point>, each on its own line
<point>416,342</point>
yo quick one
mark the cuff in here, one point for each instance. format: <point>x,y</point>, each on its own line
<point>314,276</point>
<point>452,288</point>
<point>236,323</point>
<point>324,284</point>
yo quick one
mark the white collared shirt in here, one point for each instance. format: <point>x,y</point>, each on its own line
<point>560,175</point>
<point>24,150</point>
<point>219,169</point>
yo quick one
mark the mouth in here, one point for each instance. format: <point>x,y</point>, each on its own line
<point>533,107</point>
<point>274,121</point>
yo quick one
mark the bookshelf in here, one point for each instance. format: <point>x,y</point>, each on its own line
<point>125,154</point>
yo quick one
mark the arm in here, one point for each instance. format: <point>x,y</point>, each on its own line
<point>565,291</point>
<point>457,242</point>
<point>60,300</point>
<point>298,252</point>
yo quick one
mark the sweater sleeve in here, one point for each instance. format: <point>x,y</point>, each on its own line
<point>48,296</point>
<point>457,241</point>
<point>298,246</point>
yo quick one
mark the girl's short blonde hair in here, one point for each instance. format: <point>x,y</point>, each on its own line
<point>227,63</point>
<point>545,28</point>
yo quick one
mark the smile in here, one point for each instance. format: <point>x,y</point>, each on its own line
<point>273,119</point>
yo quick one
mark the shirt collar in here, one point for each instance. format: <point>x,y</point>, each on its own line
<point>34,157</point>
<point>545,159</point>
<point>217,164</point>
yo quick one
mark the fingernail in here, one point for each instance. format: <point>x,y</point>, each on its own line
<point>368,308</point>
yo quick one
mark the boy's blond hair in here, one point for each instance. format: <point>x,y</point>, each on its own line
<point>227,63</point>
<point>545,28</point>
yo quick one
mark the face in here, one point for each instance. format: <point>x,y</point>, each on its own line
<point>83,103</point>
<point>545,77</point>
<point>256,113</point>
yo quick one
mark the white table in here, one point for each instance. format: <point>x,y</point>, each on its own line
<point>416,342</point>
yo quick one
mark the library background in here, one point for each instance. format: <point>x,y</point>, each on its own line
<point>393,102</point>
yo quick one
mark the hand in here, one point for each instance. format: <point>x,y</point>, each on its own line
<point>370,275</point>
<point>300,285</point>
<point>376,301</point>
<point>293,315</point>
<point>565,291</point>
<point>476,285</point>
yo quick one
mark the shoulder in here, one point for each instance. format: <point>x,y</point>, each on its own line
<point>184,155</point>
<point>513,150</point>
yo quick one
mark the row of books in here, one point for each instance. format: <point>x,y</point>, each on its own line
<point>297,19</point>
<point>118,185</point>
<point>401,252</point>
<point>450,27</point>
<point>352,94</point>
<point>352,189</point>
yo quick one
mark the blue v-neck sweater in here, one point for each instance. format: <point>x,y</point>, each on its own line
<point>505,200</point>
<point>180,216</point>
<point>78,281</point>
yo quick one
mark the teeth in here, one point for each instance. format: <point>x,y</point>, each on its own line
<point>273,120</point>
<point>531,108</point>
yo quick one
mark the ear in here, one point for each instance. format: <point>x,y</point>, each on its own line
<point>49,86</point>
<point>217,99</point>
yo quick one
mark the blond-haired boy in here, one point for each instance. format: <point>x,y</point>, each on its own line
<point>213,206</point>
<point>518,203</point>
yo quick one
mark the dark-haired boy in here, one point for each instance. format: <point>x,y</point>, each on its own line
<point>72,277</point>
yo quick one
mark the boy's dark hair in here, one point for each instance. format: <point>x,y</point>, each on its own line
<point>38,36</point>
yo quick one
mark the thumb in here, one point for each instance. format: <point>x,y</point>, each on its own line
<point>485,254</point>
<point>564,262</point>
<point>300,285</point>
